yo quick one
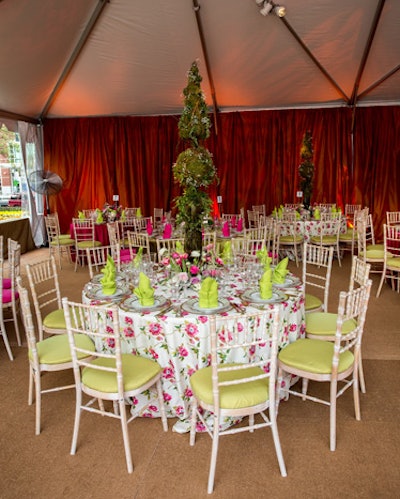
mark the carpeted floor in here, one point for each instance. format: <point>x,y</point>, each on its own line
<point>366,463</point>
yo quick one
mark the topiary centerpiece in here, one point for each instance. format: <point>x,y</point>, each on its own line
<point>306,169</point>
<point>194,169</point>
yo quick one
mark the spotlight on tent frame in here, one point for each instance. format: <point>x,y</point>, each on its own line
<point>280,10</point>
<point>266,8</point>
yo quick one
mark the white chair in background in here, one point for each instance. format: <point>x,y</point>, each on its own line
<point>391,262</point>
<point>317,267</point>
<point>328,235</point>
<point>370,252</point>
<point>393,217</point>
<point>110,375</point>
<point>58,244</point>
<point>238,388</point>
<point>10,296</point>
<point>289,236</point>
<point>97,258</point>
<point>84,235</point>
<point>3,330</point>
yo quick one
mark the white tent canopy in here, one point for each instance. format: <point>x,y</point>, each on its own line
<point>64,58</point>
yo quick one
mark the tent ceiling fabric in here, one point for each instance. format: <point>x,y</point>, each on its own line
<point>135,59</point>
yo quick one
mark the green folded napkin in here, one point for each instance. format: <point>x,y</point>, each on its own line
<point>108,281</point>
<point>297,215</point>
<point>99,216</point>
<point>263,257</point>
<point>280,271</point>
<point>333,209</point>
<point>123,216</point>
<point>266,285</point>
<point>227,255</point>
<point>317,214</point>
<point>81,215</point>
<point>138,213</point>
<point>144,291</point>
<point>138,258</point>
<point>208,294</point>
<point>179,248</point>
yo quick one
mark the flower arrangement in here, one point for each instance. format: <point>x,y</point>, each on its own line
<point>111,213</point>
<point>191,269</point>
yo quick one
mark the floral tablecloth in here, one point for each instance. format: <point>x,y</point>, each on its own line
<point>179,342</point>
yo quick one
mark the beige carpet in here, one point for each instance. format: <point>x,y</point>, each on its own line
<point>366,463</point>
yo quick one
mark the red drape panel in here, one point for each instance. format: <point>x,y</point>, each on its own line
<point>257,154</point>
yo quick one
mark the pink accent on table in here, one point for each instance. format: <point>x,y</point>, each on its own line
<point>226,232</point>
<point>167,231</point>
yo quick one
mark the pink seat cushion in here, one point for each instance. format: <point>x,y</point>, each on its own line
<point>125,255</point>
<point>6,283</point>
<point>6,298</point>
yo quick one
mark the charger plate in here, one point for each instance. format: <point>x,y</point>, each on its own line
<point>97,278</point>
<point>97,294</point>
<point>192,306</point>
<point>255,297</point>
<point>132,304</point>
<point>290,281</point>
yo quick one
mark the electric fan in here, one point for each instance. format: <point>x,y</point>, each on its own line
<point>45,182</point>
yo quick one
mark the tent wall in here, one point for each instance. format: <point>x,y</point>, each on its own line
<point>256,153</point>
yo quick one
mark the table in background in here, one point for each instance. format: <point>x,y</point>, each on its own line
<point>19,230</point>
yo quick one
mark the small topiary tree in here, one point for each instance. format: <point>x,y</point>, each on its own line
<point>306,169</point>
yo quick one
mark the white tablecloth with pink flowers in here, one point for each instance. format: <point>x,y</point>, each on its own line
<point>312,228</point>
<point>179,342</point>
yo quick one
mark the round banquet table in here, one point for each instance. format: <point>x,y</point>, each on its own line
<point>176,336</point>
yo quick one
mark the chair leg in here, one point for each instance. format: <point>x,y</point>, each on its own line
<point>193,420</point>
<point>381,282</point>
<point>38,402</point>
<point>3,333</point>
<point>361,375</point>
<point>30,387</point>
<point>214,454</point>
<point>125,435</point>
<point>16,325</point>
<point>78,403</point>
<point>304,387</point>
<point>277,442</point>
<point>332,418</point>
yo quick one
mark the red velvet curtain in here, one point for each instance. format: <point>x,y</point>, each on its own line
<point>257,154</point>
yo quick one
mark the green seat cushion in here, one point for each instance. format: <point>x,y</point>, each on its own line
<point>136,370</point>
<point>62,241</point>
<point>348,236</point>
<point>314,356</point>
<point>66,236</point>
<point>234,396</point>
<point>325,239</point>
<point>88,244</point>
<point>291,239</point>
<point>56,349</point>
<point>312,302</point>
<point>374,252</point>
<point>393,262</point>
<point>324,323</point>
<point>56,320</point>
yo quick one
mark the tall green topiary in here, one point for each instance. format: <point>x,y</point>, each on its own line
<point>306,169</point>
<point>194,169</point>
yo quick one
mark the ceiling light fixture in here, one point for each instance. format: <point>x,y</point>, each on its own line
<point>280,10</point>
<point>268,6</point>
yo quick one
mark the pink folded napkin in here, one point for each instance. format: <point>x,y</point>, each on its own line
<point>226,232</point>
<point>167,231</point>
<point>149,228</point>
<point>239,226</point>
<point>233,222</point>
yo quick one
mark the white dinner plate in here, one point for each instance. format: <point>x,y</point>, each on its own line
<point>132,304</point>
<point>255,297</point>
<point>290,281</point>
<point>192,306</point>
<point>97,278</point>
<point>96,293</point>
